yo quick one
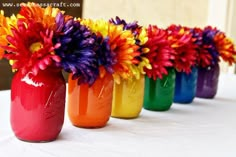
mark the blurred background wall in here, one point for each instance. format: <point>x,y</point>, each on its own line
<point>219,13</point>
<point>160,12</point>
<point>75,9</point>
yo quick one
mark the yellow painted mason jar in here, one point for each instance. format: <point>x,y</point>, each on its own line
<point>128,98</point>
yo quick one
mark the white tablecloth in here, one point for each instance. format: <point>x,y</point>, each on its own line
<point>205,128</point>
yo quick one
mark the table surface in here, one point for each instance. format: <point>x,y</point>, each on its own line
<point>204,128</point>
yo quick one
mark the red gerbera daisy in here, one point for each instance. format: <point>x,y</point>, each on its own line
<point>204,58</point>
<point>31,47</point>
<point>160,54</point>
<point>182,42</point>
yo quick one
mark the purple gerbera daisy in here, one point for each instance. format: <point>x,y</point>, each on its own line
<point>106,58</point>
<point>133,26</point>
<point>77,49</point>
<point>208,35</point>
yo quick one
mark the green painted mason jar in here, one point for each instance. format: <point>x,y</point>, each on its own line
<point>159,93</point>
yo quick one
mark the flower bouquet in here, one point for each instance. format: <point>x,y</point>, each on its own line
<point>115,50</point>
<point>183,43</point>
<point>89,105</point>
<point>160,79</point>
<point>128,93</point>
<point>38,87</point>
<point>212,45</point>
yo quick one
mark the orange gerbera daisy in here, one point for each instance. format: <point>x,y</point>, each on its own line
<point>182,42</point>
<point>140,35</point>
<point>46,16</point>
<point>122,46</point>
<point>225,47</point>
<point>3,32</point>
<point>122,43</point>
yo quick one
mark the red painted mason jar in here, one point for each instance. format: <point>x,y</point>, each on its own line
<point>38,105</point>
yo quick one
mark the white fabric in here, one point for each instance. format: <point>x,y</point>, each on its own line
<point>205,128</point>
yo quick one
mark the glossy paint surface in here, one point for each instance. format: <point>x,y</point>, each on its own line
<point>90,107</point>
<point>128,98</point>
<point>185,86</point>
<point>38,105</point>
<point>207,83</point>
<point>159,93</point>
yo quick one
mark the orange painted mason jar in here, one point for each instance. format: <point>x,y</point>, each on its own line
<point>90,106</point>
<point>128,98</point>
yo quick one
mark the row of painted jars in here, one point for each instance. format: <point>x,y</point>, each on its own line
<point>38,102</point>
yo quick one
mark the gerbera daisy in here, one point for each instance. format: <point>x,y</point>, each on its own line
<point>208,42</point>
<point>225,47</point>
<point>141,38</point>
<point>122,43</point>
<point>160,54</point>
<point>182,42</point>
<point>77,49</point>
<point>3,32</point>
<point>31,48</point>
<point>141,60</point>
<point>133,26</point>
<point>34,11</point>
<point>99,26</point>
<point>106,58</point>
<point>123,49</point>
<point>204,58</point>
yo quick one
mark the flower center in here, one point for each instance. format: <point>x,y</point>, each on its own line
<point>36,46</point>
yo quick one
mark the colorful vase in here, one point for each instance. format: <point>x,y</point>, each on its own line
<point>207,82</point>
<point>38,105</point>
<point>159,93</point>
<point>128,98</point>
<point>90,106</point>
<point>185,86</point>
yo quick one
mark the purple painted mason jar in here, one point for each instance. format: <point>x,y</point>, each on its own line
<point>207,82</point>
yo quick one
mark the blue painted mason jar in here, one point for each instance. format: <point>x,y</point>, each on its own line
<point>185,86</point>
